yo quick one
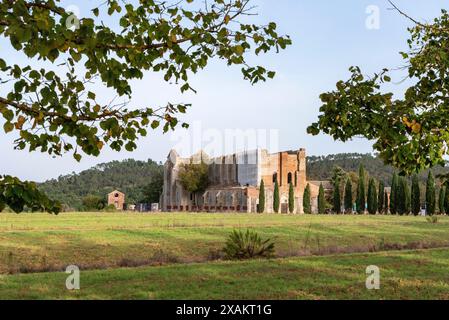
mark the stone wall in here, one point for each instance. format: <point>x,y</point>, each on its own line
<point>117,199</point>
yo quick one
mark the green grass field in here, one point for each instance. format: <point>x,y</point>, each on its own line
<point>174,256</point>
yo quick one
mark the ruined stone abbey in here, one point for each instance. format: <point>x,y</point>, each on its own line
<point>235,179</point>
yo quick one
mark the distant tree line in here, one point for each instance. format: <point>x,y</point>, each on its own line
<point>318,167</point>
<point>404,197</point>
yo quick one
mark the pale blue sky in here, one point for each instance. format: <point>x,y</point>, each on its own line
<point>328,35</point>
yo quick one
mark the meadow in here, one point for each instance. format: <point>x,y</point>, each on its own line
<point>177,255</point>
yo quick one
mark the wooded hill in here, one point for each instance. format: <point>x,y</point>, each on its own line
<point>141,182</point>
<point>320,167</point>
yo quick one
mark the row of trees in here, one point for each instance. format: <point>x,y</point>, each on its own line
<point>402,199</point>
<point>276,198</point>
<point>307,203</point>
<point>371,197</point>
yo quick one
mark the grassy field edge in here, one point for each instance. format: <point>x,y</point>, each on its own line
<point>411,274</point>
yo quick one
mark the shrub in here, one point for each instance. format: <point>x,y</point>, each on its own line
<point>432,219</point>
<point>110,208</point>
<point>92,202</point>
<point>247,245</point>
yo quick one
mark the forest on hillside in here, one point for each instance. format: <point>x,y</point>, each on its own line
<point>142,181</point>
<point>320,168</point>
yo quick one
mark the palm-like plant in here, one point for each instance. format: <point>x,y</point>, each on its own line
<point>247,245</point>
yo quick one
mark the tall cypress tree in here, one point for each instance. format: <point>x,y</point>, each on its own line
<point>403,196</point>
<point>276,201</point>
<point>386,203</point>
<point>262,197</point>
<point>430,195</point>
<point>291,198</point>
<point>306,200</point>
<point>415,196</point>
<point>446,200</point>
<point>407,195</point>
<point>348,196</point>
<point>380,199</point>
<point>372,197</point>
<point>321,200</point>
<point>337,197</point>
<point>361,199</point>
<point>393,194</point>
<point>400,196</point>
<point>441,197</point>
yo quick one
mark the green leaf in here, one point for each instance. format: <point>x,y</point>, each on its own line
<point>8,127</point>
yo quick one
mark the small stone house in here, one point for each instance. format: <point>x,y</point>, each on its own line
<point>117,199</point>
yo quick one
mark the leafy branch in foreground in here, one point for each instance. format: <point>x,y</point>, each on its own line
<point>56,110</point>
<point>411,133</point>
<point>17,195</point>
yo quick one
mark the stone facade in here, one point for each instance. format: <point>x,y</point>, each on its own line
<point>234,181</point>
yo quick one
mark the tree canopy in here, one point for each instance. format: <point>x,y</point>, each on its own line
<point>410,133</point>
<point>56,110</point>
<point>194,177</point>
<point>17,194</point>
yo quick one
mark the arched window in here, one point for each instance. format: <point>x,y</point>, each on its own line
<point>275,177</point>
<point>289,178</point>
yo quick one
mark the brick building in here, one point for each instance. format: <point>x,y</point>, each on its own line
<point>117,199</point>
<point>235,179</point>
